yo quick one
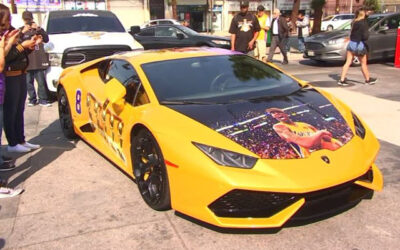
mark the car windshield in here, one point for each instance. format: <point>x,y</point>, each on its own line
<point>216,79</point>
<point>82,22</point>
<point>371,21</point>
<point>188,31</point>
<point>327,18</point>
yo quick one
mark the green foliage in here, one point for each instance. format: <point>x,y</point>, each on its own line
<point>374,5</point>
<point>317,4</point>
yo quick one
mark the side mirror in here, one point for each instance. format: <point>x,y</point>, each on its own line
<point>134,30</point>
<point>180,36</point>
<point>383,28</point>
<point>115,93</point>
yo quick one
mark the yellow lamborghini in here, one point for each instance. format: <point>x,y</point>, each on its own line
<point>220,136</point>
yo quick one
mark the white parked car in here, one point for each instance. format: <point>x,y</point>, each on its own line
<point>332,22</point>
<point>159,21</point>
<point>77,36</point>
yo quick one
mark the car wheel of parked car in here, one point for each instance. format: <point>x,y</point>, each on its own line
<point>329,28</point>
<point>150,171</point>
<point>65,116</point>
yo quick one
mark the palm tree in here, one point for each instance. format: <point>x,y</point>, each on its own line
<point>317,6</point>
<point>295,12</point>
<point>174,14</point>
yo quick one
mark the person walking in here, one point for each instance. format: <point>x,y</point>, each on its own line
<point>280,35</point>
<point>38,62</point>
<point>16,92</point>
<point>6,41</point>
<point>244,30</point>
<point>260,52</point>
<point>303,24</point>
<point>357,47</point>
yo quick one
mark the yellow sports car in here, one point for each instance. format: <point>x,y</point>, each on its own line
<point>220,136</point>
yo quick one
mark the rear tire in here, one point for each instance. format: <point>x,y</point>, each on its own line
<point>150,171</point>
<point>64,112</point>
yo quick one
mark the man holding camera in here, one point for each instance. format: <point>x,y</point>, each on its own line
<point>38,62</point>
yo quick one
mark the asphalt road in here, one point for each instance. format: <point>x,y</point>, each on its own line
<point>75,198</point>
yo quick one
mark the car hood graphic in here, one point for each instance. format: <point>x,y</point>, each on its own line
<point>287,127</point>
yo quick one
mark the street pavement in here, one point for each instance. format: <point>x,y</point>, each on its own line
<point>75,198</point>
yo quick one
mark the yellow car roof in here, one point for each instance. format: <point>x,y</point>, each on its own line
<point>148,56</point>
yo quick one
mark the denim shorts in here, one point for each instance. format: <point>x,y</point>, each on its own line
<point>357,48</point>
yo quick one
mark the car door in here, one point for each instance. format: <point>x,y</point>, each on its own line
<point>382,40</point>
<point>146,37</point>
<point>167,37</point>
<point>121,118</point>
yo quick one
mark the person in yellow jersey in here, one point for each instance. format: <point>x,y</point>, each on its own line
<point>260,51</point>
<point>302,137</point>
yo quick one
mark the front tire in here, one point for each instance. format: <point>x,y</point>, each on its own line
<point>150,171</point>
<point>64,112</point>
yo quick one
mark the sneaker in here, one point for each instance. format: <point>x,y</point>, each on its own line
<point>343,83</point>
<point>30,145</point>
<point>371,81</point>
<point>44,104</point>
<point>7,166</point>
<point>9,192</point>
<point>18,149</point>
<point>32,103</point>
<point>285,62</point>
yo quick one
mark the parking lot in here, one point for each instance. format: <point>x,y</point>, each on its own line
<point>75,198</point>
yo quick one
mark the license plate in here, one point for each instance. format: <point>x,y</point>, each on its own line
<point>310,53</point>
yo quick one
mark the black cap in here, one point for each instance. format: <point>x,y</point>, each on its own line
<point>260,8</point>
<point>27,15</point>
<point>244,3</point>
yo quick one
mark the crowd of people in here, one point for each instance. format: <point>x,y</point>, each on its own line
<point>20,50</point>
<point>248,35</point>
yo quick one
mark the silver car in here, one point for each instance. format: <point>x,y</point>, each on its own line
<point>331,46</point>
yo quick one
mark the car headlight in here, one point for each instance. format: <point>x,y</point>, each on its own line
<point>227,158</point>
<point>221,42</point>
<point>55,59</point>
<point>360,130</point>
<point>338,41</point>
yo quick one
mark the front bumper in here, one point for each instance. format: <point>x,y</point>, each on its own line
<point>334,53</point>
<point>52,75</point>
<point>274,191</point>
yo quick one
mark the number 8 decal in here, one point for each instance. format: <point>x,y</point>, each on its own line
<point>78,98</point>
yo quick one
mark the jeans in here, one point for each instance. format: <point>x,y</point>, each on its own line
<point>301,44</point>
<point>14,106</point>
<point>42,88</point>
<point>1,131</point>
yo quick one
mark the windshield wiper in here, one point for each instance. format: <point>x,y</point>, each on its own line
<point>184,102</point>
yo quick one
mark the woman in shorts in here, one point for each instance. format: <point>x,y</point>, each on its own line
<point>357,47</point>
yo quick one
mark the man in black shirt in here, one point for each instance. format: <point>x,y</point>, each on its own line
<point>38,62</point>
<point>244,29</point>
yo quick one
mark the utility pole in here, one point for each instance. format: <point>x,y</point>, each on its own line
<point>351,6</point>
<point>13,7</point>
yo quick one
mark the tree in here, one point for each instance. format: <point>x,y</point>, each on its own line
<point>373,5</point>
<point>295,12</point>
<point>174,14</point>
<point>317,6</point>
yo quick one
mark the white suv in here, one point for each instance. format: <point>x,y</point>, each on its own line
<point>77,36</point>
<point>332,22</point>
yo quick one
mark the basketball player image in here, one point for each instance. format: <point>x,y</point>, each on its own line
<point>302,137</point>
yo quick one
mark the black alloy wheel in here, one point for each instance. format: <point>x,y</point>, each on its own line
<point>150,171</point>
<point>65,115</point>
